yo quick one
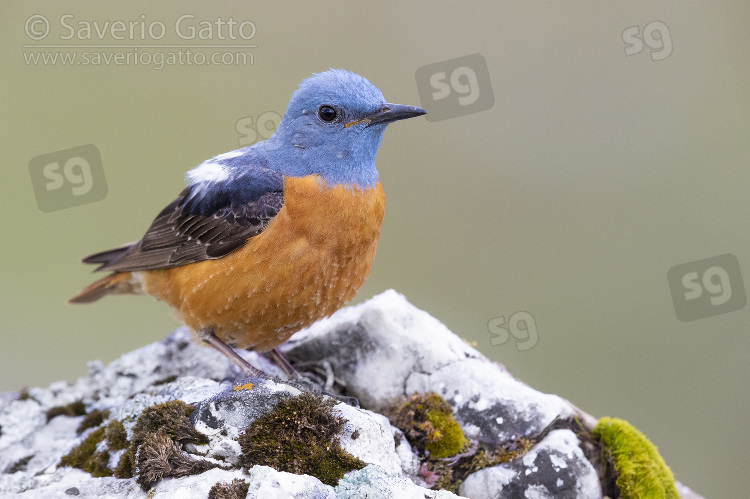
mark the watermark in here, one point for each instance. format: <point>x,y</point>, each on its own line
<point>456,87</point>
<point>655,36</point>
<point>262,127</point>
<point>67,178</point>
<point>157,60</point>
<point>69,41</point>
<point>520,326</point>
<point>707,287</point>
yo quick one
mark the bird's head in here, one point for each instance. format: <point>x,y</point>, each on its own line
<point>332,127</point>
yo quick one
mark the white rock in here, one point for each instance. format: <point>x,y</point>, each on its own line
<point>489,403</point>
<point>380,350</point>
<point>369,436</point>
<point>386,348</point>
<point>267,483</point>
<point>555,468</point>
<point>195,486</point>
<point>373,482</point>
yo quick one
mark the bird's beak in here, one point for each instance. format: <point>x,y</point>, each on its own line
<point>389,113</point>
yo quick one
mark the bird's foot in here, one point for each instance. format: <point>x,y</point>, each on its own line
<point>280,360</point>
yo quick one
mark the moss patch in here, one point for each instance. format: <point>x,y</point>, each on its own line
<point>87,458</point>
<point>125,466</point>
<point>155,451</point>
<point>428,423</point>
<point>173,417</point>
<point>117,437</point>
<point>447,456</point>
<point>236,489</point>
<point>92,420</point>
<point>159,457</point>
<point>73,409</point>
<point>641,472</point>
<point>300,435</point>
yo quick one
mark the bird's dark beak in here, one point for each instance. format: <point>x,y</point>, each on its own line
<point>389,113</point>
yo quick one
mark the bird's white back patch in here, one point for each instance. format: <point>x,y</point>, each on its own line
<point>228,155</point>
<point>208,171</point>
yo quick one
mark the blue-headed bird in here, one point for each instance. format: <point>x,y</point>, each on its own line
<point>267,239</point>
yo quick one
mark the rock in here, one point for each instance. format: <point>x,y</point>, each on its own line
<point>389,349</point>
<point>380,352</point>
<point>374,482</point>
<point>268,483</point>
<point>555,467</point>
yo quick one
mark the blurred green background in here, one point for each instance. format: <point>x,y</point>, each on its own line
<point>592,175</point>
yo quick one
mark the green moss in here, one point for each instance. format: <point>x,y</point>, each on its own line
<point>300,435</point>
<point>173,417</point>
<point>125,466</point>
<point>447,456</point>
<point>87,458</point>
<point>428,423</point>
<point>447,437</point>
<point>117,437</point>
<point>236,489</point>
<point>73,409</point>
<point>92,420</point>
<point>641,471</point>
<point>158,437</point>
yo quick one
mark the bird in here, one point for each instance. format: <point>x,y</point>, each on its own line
<point>267,239</point>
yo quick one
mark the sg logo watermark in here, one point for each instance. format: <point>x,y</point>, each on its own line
<point>655,36</point>
<point>521,326</point>
<point>68,178</point>
<point>251,131</point>
<point>455,87</point>
<point>707,287</point>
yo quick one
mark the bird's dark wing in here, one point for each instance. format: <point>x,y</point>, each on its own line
<point>206,221</point>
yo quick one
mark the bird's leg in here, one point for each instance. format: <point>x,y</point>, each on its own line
<point>300,382</point>
<point>208,337</point>
<point>280,360</point>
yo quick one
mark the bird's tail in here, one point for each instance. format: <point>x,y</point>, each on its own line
<point>117,283</point>
<point>109,257</point>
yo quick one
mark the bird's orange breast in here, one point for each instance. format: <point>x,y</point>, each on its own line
<point>309,261</point>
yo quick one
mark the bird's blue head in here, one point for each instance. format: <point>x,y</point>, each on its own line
<point>332,127</point>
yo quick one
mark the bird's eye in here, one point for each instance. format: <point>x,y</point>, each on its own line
<point>327,113</point>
